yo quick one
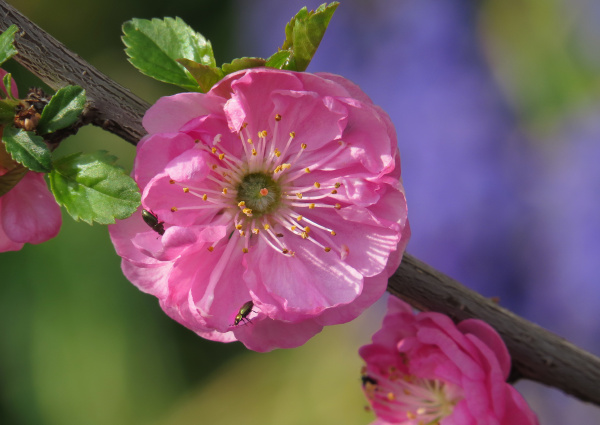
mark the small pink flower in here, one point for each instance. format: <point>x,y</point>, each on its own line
<point>28,211</point>
<point>423,369</point>
<point>275,187</point>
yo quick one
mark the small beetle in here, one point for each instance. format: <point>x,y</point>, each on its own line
<point>152,220</point>
<point>367,380</point>
<point>245,310</point>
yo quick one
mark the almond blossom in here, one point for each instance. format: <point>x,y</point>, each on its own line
<point>423,369</point>
<point>28,211</point>
<point>274,198</point>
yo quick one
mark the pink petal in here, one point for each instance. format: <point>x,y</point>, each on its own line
<point>192,165</point>
<point>491,338</point>
<point>266,335</point>
<point>14,90</point>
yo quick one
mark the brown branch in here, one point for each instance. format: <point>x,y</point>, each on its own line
<point>537,354</point>
<point>111,106</point>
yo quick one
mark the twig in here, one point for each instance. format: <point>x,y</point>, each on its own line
<point>111,106</point>
<point>537,354</point>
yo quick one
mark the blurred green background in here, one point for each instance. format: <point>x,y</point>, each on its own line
<point>80,345</point>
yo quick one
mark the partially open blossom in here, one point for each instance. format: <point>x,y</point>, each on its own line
<point>423,369</point>
<point>277,188</point>
<point>28,211</point>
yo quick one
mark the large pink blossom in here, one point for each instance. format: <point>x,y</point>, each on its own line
<point>423,369</point>
<point>28,211</point>
<point>275,187</point>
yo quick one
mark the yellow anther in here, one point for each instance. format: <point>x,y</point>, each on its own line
<point>327,249</point>
<point>390,396</point>
<point>277,153</point>
<point>317,185</point>
<point>266,226</point>
<point>277,169</point>
<point>299,195</point>
<point>277,117</point>
<point>224,191</point>
<point>411,415</point>
<point>307,170</point>
<point>311,206</point>
<point>333,192</point>
<point>255,231</point>
<point>303,145</point>
<point>333,233</point>
<point>245,250</point>
<point>241,204</point>
<point>293,228</point>
<point>204,197</point>
<point>249,141</point>
<point>247,211</point>
<point>242,233</point>
<point>244,125</point>
<point>173,209</point>
<point>253,151</point>
<point>299,218</point>
<point>337,206</point>
<point>304,235</point>
<point>211,248</point>
<point>186,190</point>
<point>307,229</point>
<point>262,133</point>
<point>337,185</point>
<point>221,156</point>
<point>238,226</point>
<point>172,181</point>
<point>215,166</point>
<point>293,134</point>
<point>286,166</point>
<point>214,150</point>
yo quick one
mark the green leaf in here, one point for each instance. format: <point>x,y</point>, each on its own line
<point>154,46</point>
<point>242,63</point>
<point>279,60</point>
<point>7,40</point>
<point>92,188</point>
<point>28,149</point>
<point>63,109</point>
<point>7,81</point>
<point>304,33</point>
<point>206,76</point>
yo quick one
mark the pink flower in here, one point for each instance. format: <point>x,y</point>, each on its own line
<point>28,211</point>
<point>423,369</point>
<point>275,187</point>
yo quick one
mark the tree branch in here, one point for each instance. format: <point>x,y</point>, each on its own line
<point>111,106</point>
<point>537,354</point>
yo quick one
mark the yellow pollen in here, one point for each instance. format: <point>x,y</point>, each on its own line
<point>172,181</point>
<point>327,249</point>
<point>277,117</point>
<point>262,133</point>
<point>333,233</point>
<point>307,170</point>
<point>244,125</point>
<point>304,235</point>
<point>286,166</point>
<point>215,166</point>
<point>267,226</point>
<point>333,192</point>
<point>242,233</point>
<point>255,231</point>
<point>250,141</point>
<point>214,150</point>
<point>421,411</point>
<point>293,228</point>
<point>211,248</point>
<point>247,211</point>
<point>221,156</point>
<point>241,204</point>
<point>277,169</point>
<point>317,185</point>
<point>307,229</point>
<point>337,206</point>
<point>299,195</point>
<point>204,197</point>
<point>303,145</point>
<point>186,190</point>
<point>173,209</point>
<point>253,151</point>
<point>299,218</point>
<point>245,250</point>
<point>337,185</point>
<point>390,396</point>
<point>293,134</point>
<point>311,206</point>
<point>277,153</point>
<point>224,191</point>
<point>264,191</point>
<point>238,226</point>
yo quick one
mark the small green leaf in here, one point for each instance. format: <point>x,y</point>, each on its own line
<point>154,46</point>
<point>206,76</point>
<point>7,47</point>
<point>7,81</point>
<point>28,149</point>
<point>242,63</point>
<point>304,33</point>
<point>92,188</point>
<point>279,60</point>
<point>63,109</point>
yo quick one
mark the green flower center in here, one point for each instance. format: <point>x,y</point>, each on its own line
<point>260,193</point>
